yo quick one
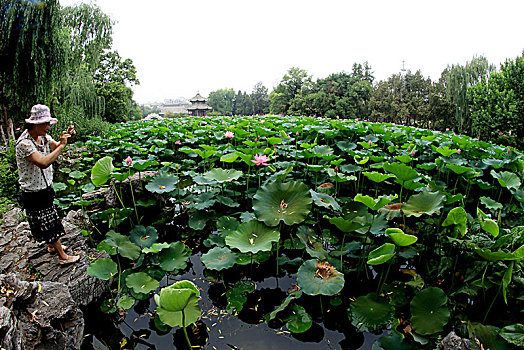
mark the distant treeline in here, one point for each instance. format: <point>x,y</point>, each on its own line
<point>474,99</point>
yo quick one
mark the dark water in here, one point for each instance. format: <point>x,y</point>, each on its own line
<point>219,330</point>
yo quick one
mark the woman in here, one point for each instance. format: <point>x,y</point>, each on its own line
<point>35,152</point>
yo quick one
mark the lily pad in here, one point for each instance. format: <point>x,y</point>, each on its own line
<point>289,202</point>
<point>253,237</point>
<point>376,176</point>
<point>401,171</point>
<point>371,313</point>
<point>125,247</point>
<point>143,236</point>
<point>125,302</point>
<point>162,183</point>
<point>175,257</point>
<point>222,175</point>
<point>219,258</point>
<point>236,296</point>
<point>507,179</point>
<point>141,282</point>
<point>324,200</point>
<point>319,277</point>
<point>391,342</point>
<point>102,268</point>
<point>298,320</point>
<point>423,203</point>
<point>429,313</point>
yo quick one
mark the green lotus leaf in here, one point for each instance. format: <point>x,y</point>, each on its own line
<point>298,321</point>
<point>76,174</point>
<point>347,225</point>
<point>372,203</point>
<point>488,336</point>
<point>312,242</point>
<point>126,302</point>
<point>324,200</point>
<point>175,257</point>
<point>323,151</point>
<point>102,268</point>
<point>292,296</point>
<point>101,171</point>
<point>126,248</point>
<point>423,203</point>
<point>488,224</point>
<point>371,313</point>
<point>274,140</point>
<point>429,313</point>
<point>459,169</point>
<point>222,175</point>
<point>391,342</point>
<point>497,255</point>
<point>228,224</point>
<point>119,176</point>
<point>506,179</point>
<point>143,236</point>
<point>162,183</point>
<point>519,194</point>
<point>86,188</point>
<point>198,220</point>
<point>289,202</point>
<point>253,237</point>
<point>446,151</point>
<point>319,277</point>
<point>59,186</point>
<point>401,171</point>
<point>382,254</point>
<point>229,158</point>
<point>155,248</point>
<point>400,238</point>
<point>457,216</point>
<point>143,164</point>
<point>236,296</point>
<point>179,297</point>
<point>376,176</point>
<point>513,334</point>
<point>219,258</point>
<point>490,203</point>
<point>404,158</point>
<point>141,282</point>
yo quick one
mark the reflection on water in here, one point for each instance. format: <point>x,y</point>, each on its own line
<point>219,330</point>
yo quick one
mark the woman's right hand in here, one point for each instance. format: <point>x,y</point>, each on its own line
<point>63,139</point>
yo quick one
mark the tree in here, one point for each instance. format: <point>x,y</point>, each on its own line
<point>291,84</point>
<point>222,101</point>
<point>457,79</point>
<point>30,67</point>
<point>260,99</point>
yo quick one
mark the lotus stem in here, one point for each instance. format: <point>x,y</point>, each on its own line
<point>133,197</point>
<point>321,306</point>
<point>117,195</point>
<point>341,249</point>
<point>492,303</point>
<point>119,273</point>
<point>184,328</point>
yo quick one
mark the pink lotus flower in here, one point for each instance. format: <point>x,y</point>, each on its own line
<point>501,133</point>
<point>297,133</point>
<point>370,143</point>
<point>409,148</point>
<point>336,168</point>
<point>476,164</point>
<point>260,160</point>
<point>412,153</point>
<point>129,161</point>
<point>509,150</point>
<point>256,139</point>
<point>229,134</point>
<point>459,151</point>
<point>447,129</point>
<point>177,142</point>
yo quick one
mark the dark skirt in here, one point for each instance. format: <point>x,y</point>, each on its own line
<point>42,215</point>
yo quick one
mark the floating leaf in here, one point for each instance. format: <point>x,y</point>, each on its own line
<point>126,248</point>
<point>222,175</point>
<point>324,200</point>
<point>371,313</point>
<point>429,313</point>
<point>143,236</point>
<point>298,321</point>
<point>219,258</point>
<point>289,202</point>
<point>141,282</point>
<point>162,183</point>
<point>253,237</point>
<point>102,268</point>
<point>236,296</point>
<point>126,302</point>
<point>319,277</point>
<point>175,257</point>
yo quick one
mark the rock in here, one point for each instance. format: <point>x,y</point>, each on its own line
<point>453,342</point>
<point>39,315</point>
<point>12,218</point>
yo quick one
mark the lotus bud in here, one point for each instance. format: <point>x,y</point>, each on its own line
<point>129,161</point>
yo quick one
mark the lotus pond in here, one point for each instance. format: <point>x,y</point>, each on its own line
<point>266,232</point>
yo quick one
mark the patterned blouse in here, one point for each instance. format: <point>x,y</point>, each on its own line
<point>30,176</point>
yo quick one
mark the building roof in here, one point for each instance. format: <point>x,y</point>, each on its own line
<point>199,107</point>
<point>198,97</point>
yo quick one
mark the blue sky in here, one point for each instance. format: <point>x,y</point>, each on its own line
<point>180,47</point>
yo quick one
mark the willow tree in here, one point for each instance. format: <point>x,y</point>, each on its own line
<point>457,80</point>
<point>88,32</point>
<point>32,56</point>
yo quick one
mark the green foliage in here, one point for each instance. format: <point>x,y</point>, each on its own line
<point>8,178</point>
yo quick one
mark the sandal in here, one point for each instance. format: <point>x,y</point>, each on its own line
<point>52,249</point>
<point>70,259</point>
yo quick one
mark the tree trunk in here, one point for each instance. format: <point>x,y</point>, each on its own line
<point>9,130</point>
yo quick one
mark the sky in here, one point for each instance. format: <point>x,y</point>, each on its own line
<point>181,47</point>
